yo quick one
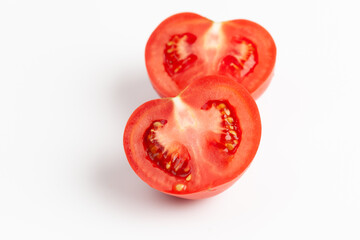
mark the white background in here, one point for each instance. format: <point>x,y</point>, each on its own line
<point>72,72</point>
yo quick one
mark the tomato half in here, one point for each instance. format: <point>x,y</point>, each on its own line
<point>197,144</point>
<point>187,46</point>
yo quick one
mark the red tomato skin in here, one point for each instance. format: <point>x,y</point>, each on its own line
<point>255,82</point>
<point>163,107</point>
<point>262,88</point>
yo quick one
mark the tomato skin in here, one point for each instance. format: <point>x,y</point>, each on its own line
<point>209,58</point>
<point>208,179</point>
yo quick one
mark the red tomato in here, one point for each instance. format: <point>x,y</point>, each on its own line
<point>187,46</point>
<point>197,144</point>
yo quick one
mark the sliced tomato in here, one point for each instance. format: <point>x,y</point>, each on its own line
<point>197,144</point>
<point>187,46</point>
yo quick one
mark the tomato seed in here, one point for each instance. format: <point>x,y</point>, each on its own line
<point>230,119</point>
<point>229,146</point>
<point>157,124</point>
<point>221,106</point>
<point>179,187</point>
<point>232,132</point>
<point>188,178</point>
<point>168,165</point>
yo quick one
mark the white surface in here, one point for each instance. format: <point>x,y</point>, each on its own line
<point>71,73</point>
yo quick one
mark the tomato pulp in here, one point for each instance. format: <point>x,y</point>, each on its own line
<point>197,144</point>
<point>187,46</point>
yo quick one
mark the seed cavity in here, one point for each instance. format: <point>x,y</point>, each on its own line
<point>174,162</point>
<point>177,53</point>
<point>230,138</point>
<point>242,60</point>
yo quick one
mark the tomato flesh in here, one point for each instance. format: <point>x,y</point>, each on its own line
<point>187,46</point>
<point>196,144</point>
